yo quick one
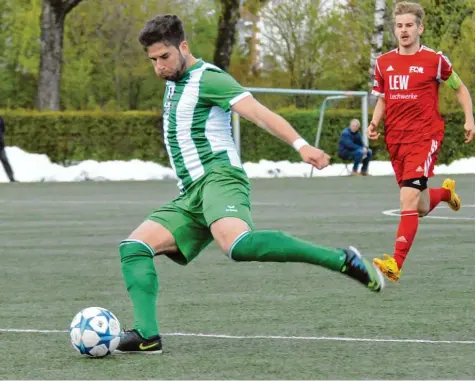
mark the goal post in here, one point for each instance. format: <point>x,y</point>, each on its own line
<point>330,94</point>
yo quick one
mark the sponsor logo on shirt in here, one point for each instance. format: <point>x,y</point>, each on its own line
<point>400,96</point>
<point>398,82</point>
<point>415,69</point>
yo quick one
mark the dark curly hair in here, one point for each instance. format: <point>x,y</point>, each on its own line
<point>167,29</point>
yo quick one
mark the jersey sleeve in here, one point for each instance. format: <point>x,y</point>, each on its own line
<point>379,83</point>
<point>445,69</point>
<point>221,89</point>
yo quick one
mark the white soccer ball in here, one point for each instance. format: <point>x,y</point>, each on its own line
<point>95,332</point>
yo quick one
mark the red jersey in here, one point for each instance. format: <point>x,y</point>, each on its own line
<point>410,86</point>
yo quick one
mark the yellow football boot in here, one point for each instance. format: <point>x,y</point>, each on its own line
<point>455,202</point>
<point>388,266</point>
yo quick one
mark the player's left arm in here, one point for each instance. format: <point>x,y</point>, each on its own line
<point>447,74</point>
<point>255,112</point>
<point>464,99</point>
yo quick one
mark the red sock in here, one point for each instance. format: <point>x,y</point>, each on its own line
<point>437,195</point>
<point>406,233</point>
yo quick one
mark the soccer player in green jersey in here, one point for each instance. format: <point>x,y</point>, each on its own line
<point>214,200</point>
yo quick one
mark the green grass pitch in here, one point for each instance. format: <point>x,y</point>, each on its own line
<point>59,254</point>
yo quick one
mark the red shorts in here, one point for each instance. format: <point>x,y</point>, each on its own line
<point>414,160</point>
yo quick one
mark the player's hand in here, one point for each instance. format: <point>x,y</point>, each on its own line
<point>372,132</point>
<point>314,156</point>
<point>468,131</point>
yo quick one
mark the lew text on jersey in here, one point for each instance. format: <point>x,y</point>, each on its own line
<point>398,82</point>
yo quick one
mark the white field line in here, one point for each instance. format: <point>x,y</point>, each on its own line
<point>270,337</point>
<point>396,213</point>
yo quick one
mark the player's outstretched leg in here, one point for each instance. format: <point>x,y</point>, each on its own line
<point>142,284</point>
<point>276,246</point>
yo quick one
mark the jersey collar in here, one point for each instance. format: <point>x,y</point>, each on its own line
<point>196,65</point>
<point>419,50</point>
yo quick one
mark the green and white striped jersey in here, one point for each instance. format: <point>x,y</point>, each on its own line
<point>197,121</point>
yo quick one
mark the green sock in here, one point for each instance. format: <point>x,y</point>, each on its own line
<point>275,246</point>
<point>142,283</point>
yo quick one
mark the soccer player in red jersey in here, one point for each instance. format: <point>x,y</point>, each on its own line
<point>407,81</point>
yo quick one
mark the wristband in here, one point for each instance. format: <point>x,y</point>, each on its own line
<point>299,143</point>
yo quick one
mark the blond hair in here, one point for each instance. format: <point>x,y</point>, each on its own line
<point>408,7</point>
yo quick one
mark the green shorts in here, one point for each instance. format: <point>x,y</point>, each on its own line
<point>222,192</point>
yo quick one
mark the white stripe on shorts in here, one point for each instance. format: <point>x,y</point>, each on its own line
<point>429,159</point>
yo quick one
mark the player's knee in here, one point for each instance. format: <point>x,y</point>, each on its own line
<point>224,242</point>
<point>130,248</point>
<point>410,193</point>
<point>225,232</point>
<point>422,212</point>
<point>423,204</point>
<point>224,246</point>
<point>419,183</point>
<point>423,208</point>
<point>227,245</point>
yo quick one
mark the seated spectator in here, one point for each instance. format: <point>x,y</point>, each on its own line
<point>351,147</point>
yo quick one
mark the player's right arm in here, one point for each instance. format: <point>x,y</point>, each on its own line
<point>379,111</point>
<point>222,90</point>
<point>377,116</point>
<point>260,115</point>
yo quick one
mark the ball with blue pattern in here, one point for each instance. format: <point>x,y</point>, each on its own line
<point>95,332</point>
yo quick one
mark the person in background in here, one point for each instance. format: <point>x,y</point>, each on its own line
<point>3,154</point>
<point>406,82</point>
<point>351,147</point>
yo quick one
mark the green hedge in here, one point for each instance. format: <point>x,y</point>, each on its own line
<point>257,145</point>
<point>73,136</point>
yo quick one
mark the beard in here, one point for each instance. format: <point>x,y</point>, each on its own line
<point>181,67</point>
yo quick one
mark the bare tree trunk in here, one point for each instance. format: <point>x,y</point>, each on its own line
<point>52,21</point>
<point>390,24</point>
<point>51,54</point>
<point>254,7</point>
<point>254,58</point>
<point>377,37</point>
<point>230,14</point>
